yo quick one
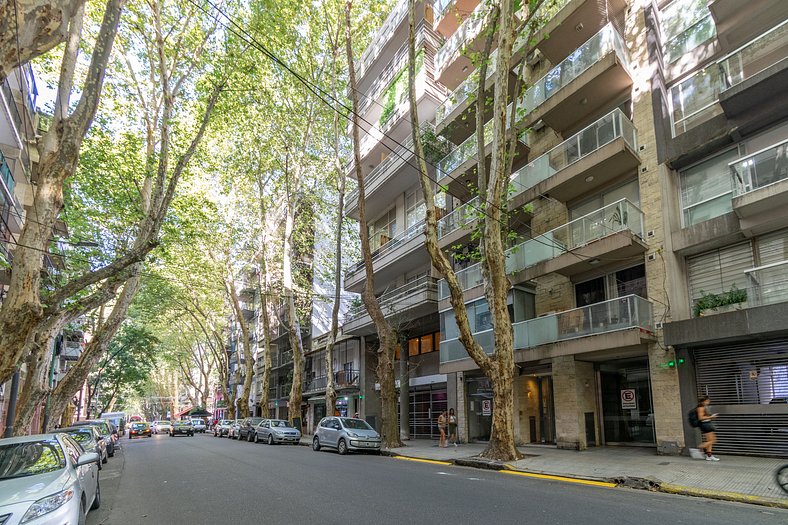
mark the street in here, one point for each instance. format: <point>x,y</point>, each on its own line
<point>202,479</point>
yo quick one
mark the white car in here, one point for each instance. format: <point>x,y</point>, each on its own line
<point>199,425</point>
<point>47,478</point>
<point>161,427</point>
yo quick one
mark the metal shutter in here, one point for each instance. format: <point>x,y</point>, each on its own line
<point>748,387</point>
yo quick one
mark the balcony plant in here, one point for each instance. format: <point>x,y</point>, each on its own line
<point>718,302</point>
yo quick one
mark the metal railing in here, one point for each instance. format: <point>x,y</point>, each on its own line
<point>394,243</point>
<point>391,299</point>
<point>760,169</point>
<point>616,217</point>
<point>605,41</point>
<point>461,217</point>
<point>605,130</point>
<point>622,313</point>
<point>767,284</point>
<point>694,99</point>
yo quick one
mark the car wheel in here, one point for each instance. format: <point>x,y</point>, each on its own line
<point>83,517</point>
<point>316,444</point>
<point>270,439</point>
<point>257,438</point>
<point>97,499</point>
<point>249,437</point>
<point>342,447</point>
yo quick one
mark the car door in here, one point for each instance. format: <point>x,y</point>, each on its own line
<point>264,430</point>
<point>330,432</point>
<point>86,474</point>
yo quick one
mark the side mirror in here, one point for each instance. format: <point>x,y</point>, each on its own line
<point>87,458</point>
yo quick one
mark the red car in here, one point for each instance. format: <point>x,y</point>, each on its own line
<point>139,430</point>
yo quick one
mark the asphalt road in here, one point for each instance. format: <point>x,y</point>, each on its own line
<point>206,480</point>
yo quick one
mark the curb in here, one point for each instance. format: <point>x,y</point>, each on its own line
<point>736,497</point>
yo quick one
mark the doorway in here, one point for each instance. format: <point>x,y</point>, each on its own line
<point>627,411</point>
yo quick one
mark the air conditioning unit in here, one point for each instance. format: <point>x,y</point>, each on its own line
<point>534,57</point>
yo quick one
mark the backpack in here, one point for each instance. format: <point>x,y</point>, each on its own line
<point>692,417</point>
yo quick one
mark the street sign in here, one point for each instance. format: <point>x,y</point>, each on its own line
<point>629,400</point>
<point>486,407</point>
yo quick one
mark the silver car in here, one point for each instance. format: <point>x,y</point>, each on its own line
<point>222,428</point>
<point>47,478</point>
<point>277,431</point>
<point>346,434</point>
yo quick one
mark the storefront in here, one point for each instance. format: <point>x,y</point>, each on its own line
<point>625,399</point>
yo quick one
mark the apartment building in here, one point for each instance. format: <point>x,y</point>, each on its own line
<point>646,197</point>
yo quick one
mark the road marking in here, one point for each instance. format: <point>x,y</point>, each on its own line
<point>561,478</point>
<point>434,462</point>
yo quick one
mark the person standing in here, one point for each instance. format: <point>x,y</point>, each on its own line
<point>452,427</point>
<point>705,419</point>
<point>442,429</point>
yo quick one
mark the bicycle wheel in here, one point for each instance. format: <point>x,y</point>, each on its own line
<point>782,477</point>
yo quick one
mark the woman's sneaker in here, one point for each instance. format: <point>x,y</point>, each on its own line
<point>712,458</point>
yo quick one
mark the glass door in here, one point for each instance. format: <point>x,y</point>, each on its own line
<point>627,413</point>
<point>480,399</point>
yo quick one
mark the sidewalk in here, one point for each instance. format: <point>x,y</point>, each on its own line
<point>737,478</point>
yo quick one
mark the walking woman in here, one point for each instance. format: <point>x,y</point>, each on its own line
<point>707,428</point>
<point>452,427</point>
<point>442,428</point>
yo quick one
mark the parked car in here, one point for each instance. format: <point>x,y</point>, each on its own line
<point>234,427</point>
<point>47,478</point>
<point>199,425</point>
<point>222,428</point>
<point>246,429</point>
<point>104,429</point>
<point>161,426</point>
<point>277,431</point>
<point>139,430</point>
<point>183,427</point>
<point>346,434</point>
<point>90,439</point>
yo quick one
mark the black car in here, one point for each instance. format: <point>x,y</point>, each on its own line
<point>248,428</point>
<point>182,427</point>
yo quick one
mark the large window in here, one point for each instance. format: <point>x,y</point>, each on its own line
<point>719,271</point>
<point>415,209</point>
<point>707,188</point>
<point>686,24</point>
<point>424,344</point>
<point>383,229</point>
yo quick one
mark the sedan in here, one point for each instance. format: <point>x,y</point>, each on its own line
<point>346,434</point>
<point>235,426</point>
<point>139,430</point>
<point>90,439</point>
<point>104,429</point>
<point>199,425</point>
<point>161,427</point>
<point>277,431</point>
<point>183,428</point>
<point>246,430</point>
<point>222,428</point>
<point>47,478</point>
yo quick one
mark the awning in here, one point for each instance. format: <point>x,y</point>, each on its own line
<point>199,412</point>
<point>183,412</point>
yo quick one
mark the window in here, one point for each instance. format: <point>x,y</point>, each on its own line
<point>427,344</point>
<point>719,271</point>
<point>415,208</point>
<point>629,190</point>
<point>706,188</point>
<point>383,229</point>
<point>422,345</point>
<point>686,24</point>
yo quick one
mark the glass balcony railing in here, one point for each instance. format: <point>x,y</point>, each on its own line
<point>613,218</point>
<point>391,301</point>
<point>622,313</point>
<point>694,100</point>
<point>760,169</point>
<point>605,41</point>
<point>605,130</point>
<point>382,36</point>
<point>468,149</point>
<point>469,29</point>
<point>767,284</point>
<point>414,231</point>
<point>464,91</point>
<point>6,175</point>
<point>619,216</point>
<point>459,218</point>
<point>441,7</point>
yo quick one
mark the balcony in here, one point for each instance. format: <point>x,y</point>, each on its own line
<point>454,226</point>
<point>382,37</point>
<point>71,351</point>
<point>615,324</point>
<point>408,302</point>
<point>595,156</point>
<point>760,189</point>
<point>409,243</point>
<point>612,232</point>
<point>449,14</point>
<point>736,25</point>
<point>738,84</point>
<point>593,77</point>
<point>395,175</point>
<point>449,60</point>
<point>573,22</point>
<point>460,99</point>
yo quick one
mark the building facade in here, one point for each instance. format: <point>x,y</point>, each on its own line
<point>645,196</point>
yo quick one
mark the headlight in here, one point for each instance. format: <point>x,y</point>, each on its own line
<point>47,505</point>
<point>352,434</point>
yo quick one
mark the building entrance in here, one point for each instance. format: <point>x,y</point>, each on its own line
<point>426,404</point>
<point>627,413</point>
<point>480,399</point>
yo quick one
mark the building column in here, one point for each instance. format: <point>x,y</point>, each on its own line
<point>666,401</point>
<point>462,409</point>
<point>404,391</point>
<point>574,395</point>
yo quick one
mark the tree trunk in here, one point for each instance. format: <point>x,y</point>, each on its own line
<point>294,324</point>
<point>34,389</point>
<point>242,401</point>
<point>386,334</point>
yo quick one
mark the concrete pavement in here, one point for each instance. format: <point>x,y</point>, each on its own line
<point>202,479</point>
<point>735,478</point>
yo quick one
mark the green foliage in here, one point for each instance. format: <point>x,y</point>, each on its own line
<point>711,301</point>
<point>397,90</point>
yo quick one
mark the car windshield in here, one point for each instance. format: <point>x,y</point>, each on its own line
<point>357,424</point>
<point>226,422</point>
<point>255,420</point>
<point>30,458</point>
<point>139,426</point>
<point>280,423</point>
<point>197,422</point>
<point>183,423</point>
<point>83,437</point>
